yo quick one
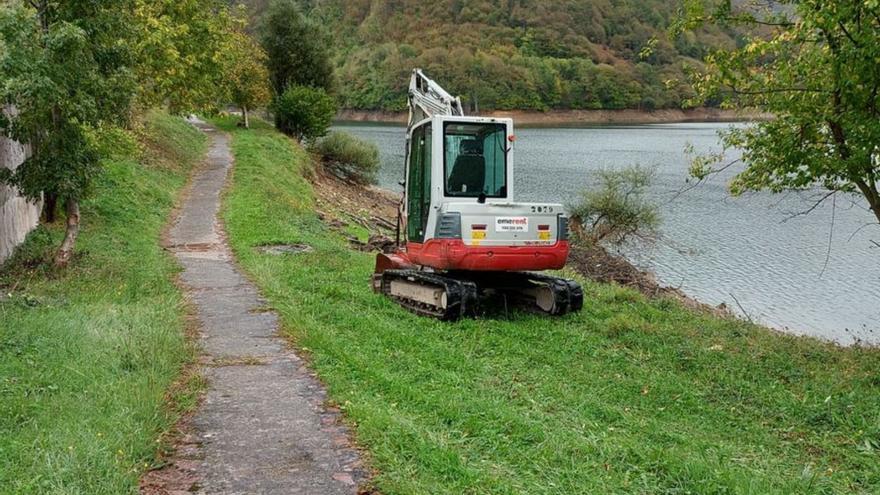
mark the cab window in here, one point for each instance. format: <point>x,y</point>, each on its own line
<point>418,184</point>
<point>475,159</point>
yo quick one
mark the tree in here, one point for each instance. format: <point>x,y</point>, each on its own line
<point>61,68</point>
<point>815,65</point>
<point>297,49</point>
<point>304,112</point>
<point>615,208</point>
<point>246,74</point>
<point>75,70</point>
<point>177,45</point>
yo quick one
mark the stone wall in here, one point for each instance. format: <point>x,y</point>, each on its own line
<point>18,216</point>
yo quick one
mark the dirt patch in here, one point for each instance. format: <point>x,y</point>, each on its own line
<point>598,264</point>
<point>342,204</point>
<point>179,472</point>
<point>366,205</point>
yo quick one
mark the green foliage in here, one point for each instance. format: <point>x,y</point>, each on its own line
<point>615,208</point>
<point>72,71</point>
<point>304,112</point>
<point>247,78</point>
<point>573,54</point>
<point>87,355</point>
<point>179,46</point>
<point>64,83</point>
<point>297,48</point>
<point>815,65</point>
<point>349,156</point>
<point>631,395</point>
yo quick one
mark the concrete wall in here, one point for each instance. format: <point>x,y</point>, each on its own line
<point>18,216</point>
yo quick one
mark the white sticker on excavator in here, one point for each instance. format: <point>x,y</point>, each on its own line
<point>511,224</point>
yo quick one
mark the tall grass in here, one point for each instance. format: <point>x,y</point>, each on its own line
<point>630,396</point>
<point>87,355</point>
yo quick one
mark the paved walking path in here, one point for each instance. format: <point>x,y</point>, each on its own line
<point>262,427</point>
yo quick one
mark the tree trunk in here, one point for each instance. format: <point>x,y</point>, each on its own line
<point>244,113</point>
<point>65,252</point>
<point>872,195</point>
<point>49,207</point>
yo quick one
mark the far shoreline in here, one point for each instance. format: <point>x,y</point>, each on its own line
<point>575,118</point>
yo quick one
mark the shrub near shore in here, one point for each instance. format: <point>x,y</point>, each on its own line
<point>348,156</point>
<point>632,395</point>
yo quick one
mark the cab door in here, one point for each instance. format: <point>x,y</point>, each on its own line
<point>418,184</point>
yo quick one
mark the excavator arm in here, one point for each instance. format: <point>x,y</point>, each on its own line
<point>427,98</point>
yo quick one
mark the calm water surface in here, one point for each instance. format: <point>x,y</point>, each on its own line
<point>714,247</point>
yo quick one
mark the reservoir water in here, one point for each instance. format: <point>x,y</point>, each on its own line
<point>793,273</point>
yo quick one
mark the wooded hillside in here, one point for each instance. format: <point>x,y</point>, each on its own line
<point>512,54</point>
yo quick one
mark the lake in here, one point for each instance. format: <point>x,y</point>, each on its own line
<point>793,273</point>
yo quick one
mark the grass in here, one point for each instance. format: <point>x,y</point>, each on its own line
<point>87,355</point>
<point>629,396</point>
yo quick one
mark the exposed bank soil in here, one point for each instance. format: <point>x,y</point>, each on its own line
<point>577,117</point>
<point>598,264</point>
<point>341,203</point>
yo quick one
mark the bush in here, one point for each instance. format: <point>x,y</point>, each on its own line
<point>349,157</point>
<point>615,208</point>
<point>304,112</point>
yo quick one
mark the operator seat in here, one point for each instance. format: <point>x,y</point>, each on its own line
<point>469,169</point>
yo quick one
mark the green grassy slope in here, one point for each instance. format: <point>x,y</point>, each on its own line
<point>88,354</point>
<point>629,396</point>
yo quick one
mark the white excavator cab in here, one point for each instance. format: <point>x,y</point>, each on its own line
<point>460,175</point>
<point>466,160</point>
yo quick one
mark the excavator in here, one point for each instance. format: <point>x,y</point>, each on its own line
<point>466,242</point>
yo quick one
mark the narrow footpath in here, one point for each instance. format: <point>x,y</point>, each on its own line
<point>262,427</point>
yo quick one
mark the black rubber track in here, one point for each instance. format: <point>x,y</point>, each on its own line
<point>461,295</point>
<point>465,290</point>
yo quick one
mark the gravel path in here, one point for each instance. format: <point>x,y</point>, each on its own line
<point>262,427</point>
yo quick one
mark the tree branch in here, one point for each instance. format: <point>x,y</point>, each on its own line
<point>845,32</point>
<point>871,195</point>
<point>830,236</point>
<point>851,236</point>
<point>741,308</point>
<point>701,181</point>
<point>812,208</point>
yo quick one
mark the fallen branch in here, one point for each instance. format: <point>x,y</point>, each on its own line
<point>741,308</point>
